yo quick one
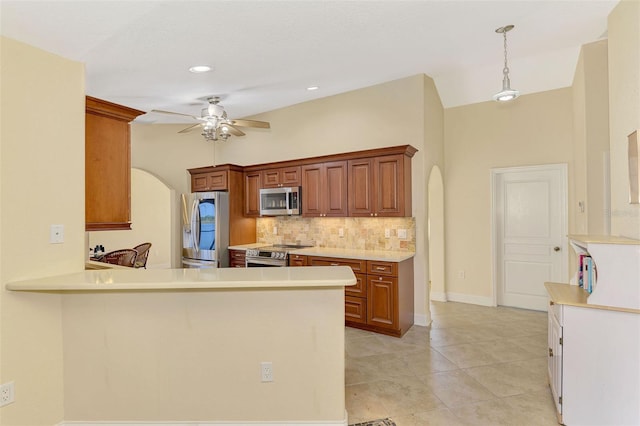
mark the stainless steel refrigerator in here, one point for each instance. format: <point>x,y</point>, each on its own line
<point>205,232</point>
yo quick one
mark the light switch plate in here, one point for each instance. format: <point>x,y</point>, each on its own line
<point>402,234</point>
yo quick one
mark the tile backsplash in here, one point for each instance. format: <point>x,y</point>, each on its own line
<point>345,232</point>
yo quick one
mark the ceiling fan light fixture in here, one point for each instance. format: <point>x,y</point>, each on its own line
<point>197,69</point>
<point>507,93</point>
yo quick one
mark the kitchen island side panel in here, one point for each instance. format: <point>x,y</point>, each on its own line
<point>195,355</point>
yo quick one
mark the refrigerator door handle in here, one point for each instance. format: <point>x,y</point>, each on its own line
<point>195,226</point>
<point>185,214</point>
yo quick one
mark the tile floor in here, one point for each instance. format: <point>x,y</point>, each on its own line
<point>475,365</point>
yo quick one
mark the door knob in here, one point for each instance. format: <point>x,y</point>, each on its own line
<point>556,248</point>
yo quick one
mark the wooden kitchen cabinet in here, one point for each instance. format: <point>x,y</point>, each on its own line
<point>382,299</point>
<point>283,177</point>
<point>252,194</point>
<point>324,189</point>
<point>380,186</point>
<point>237,258</point>
<point>209,179</point>
<point>107,165</point>
<point>297,260</point>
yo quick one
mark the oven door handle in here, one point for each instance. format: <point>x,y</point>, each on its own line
<point>267,261</point>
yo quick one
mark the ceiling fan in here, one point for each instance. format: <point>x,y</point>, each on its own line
<point>214,122</point>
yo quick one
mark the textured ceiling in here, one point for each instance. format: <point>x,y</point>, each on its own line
<point>265,53</point>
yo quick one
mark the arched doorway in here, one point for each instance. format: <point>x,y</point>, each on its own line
<point>435,235</point>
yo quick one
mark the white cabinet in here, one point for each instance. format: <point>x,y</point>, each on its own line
<point>555,356</point>
<point>594,339</point>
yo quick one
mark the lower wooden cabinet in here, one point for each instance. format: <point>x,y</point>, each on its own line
<point>237,258</point>
<point>297,260</point>
<point>382,299</point>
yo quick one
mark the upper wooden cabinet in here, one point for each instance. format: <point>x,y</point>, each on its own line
<point>107,165</point>
<point>380,186</point>
<point>324,189</point>
<point>210,178</point>
<point>284,177</point>
<point>252,194</point>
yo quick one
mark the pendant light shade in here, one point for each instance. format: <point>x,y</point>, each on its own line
<point>507,93</point>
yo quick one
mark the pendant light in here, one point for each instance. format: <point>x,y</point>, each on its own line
<point>507,93</point>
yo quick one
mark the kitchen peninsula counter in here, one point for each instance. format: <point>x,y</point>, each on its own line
<point>190,279</point>
<point>187,345</point>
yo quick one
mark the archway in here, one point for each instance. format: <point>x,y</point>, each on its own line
<point>435,235</point>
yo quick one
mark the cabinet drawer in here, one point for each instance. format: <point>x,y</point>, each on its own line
<point>355,309</point>
<point>359,289</point>
<point>356,265</point>
<point>376,267</point>
<point>237,254</point>
<point>297,260</point>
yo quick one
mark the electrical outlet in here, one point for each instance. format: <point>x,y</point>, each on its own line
<point>56,235</point>
<point>461,274</point>
<point>341,232</point>
<point>7,394</point>
<point>275,230</point>
<point>387,233</point>
<point>266,371</point>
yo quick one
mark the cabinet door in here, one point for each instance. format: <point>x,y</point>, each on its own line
<point>252,194</point>
<point>217,181</point>
<point>355,309</point>
<point>199,182</point>
<point>389,185</point>
<point>335,189</point>
<point>312,190</point>
<point>359,289</point>
<point>360,187</point>
<point>555,359</point>
<point>382,304</point>
<point>270,178</point>
<point>290,176</point>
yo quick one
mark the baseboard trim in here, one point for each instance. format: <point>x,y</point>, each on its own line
<point>439,296</point>
<point>420,319</point>
<point>471,299</point>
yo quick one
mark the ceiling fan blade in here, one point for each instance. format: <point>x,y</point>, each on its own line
<point>231,130</point>
<point>190,128</point>
<point>251,123</point>
<point>175,113</point>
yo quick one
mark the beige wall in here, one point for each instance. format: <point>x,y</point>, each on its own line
<point>406,111</point>
<point>590,91</point>
<point>624,105</point>
<point>535,129</point>
<point>195,356</point>
<point>42,175</point>
<point>152,205</point>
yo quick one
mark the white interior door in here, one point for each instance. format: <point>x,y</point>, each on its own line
<point>529,227</point>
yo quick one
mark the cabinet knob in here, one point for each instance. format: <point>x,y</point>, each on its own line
<point>371,214</point>
<point>556,248</point>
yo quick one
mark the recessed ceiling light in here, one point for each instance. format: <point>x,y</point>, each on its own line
<point>200,68</point>
<point>311,88</point>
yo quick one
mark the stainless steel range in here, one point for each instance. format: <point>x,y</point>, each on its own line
<point>275,255</point>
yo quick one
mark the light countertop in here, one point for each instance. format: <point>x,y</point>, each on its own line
<point>191,279</point>
<point>343,253</point>
<point>572,295</point>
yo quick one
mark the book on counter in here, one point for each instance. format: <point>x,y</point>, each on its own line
<point>586,272</point>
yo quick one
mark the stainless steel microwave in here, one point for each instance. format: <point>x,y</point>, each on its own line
<point>280,201</point>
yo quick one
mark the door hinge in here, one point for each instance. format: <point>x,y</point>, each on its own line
<point>550,352</point>
<point>561,340</point>
<point>560,400</point>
